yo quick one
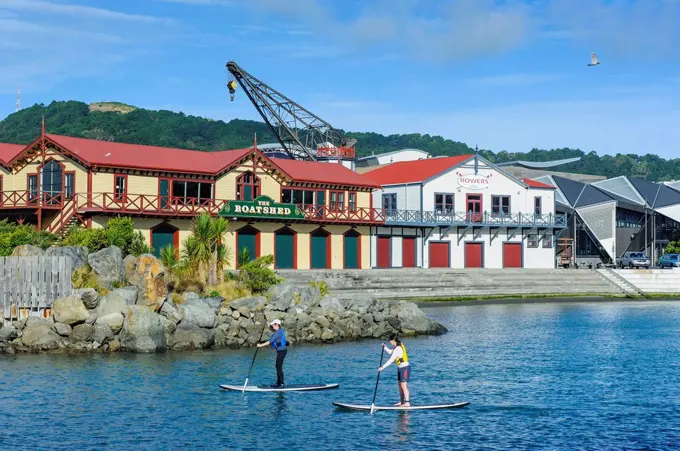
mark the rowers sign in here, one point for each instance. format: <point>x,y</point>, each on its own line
<point>473,182</point>
<point>261,207</point>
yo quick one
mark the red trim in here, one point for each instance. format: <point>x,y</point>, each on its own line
<point>255,185</point>
<point>338,206</point>
<point>408,252</point>
<point>122,197</point>
<point>73,193</point>
<point>356,234</point>
<point>475,217</point>
<point>356,200</point>
<point>361,266</point>
<point>1,191</point>
<point>384,252</point>
<point>328,246</point>
<point>89,187</point>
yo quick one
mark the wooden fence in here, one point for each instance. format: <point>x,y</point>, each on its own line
<point>28,285</point>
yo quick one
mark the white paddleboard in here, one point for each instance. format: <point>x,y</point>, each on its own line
<point>368,407</point>
<point>292,387</point>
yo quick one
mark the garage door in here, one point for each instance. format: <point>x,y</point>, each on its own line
<point>473,255</point>
<point>512,255</point>
<point>408,252</point>
<point>384,252</point>
<point>439,255</point>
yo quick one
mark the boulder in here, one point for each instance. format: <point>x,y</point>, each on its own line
<point>169,311</point>
<point>92,318</point>
<point>26,250</point>
<point>281,297</point>
<point>107,265</point>
<point>414,321</point>
<point>142,330</point>
<point>102,333</point>
<point>114,346</point>
<point>7,333</point>
<point>308,296</point>
<point>69,310</point>
<point>129,266</point>
<point>40,337</point>
<point>214,302</point>
<point>113,320</point>
<point>254,304</point>
<point>127,293</point>
<point>331,302</point>
<point>62,329</point>
<point>198,313</point>
<point>37,321</point>
<point>147,273</point>
<point>113,302</point>
<point>77,254</point>
<point>89,296</point>
<point>82,333</point>
<point>192,338</point>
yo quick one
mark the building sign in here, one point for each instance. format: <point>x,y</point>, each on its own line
<point>261,207</point>
<point>473,182</point>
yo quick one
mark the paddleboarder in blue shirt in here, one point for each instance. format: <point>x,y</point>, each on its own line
<point>400,357</point>
<point>278,342</point>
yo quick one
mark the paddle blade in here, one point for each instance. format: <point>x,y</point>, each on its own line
<point>245,385</point>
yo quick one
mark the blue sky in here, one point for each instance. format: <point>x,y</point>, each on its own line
<point>505,75</point>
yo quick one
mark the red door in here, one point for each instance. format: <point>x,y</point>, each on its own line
<point>439,255</point>
<point>474,207</point>
<point>473,255</point>
<point>384,257</point>
<point>408,252</point>
<point>512,255</point>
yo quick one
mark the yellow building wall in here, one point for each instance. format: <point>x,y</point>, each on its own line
<point>19,181</point>
<point>225,187</point>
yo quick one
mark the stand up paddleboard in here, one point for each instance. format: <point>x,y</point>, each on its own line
<point>457,405</point>
<point>292,387</point>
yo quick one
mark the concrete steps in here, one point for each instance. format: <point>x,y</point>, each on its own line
<point>620,282</point>
<point>652,280</point>
<point>443,283</point>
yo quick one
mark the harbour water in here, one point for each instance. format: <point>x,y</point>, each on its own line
<point>594,376</point>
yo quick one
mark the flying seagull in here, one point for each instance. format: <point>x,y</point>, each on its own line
<point>593,60</point>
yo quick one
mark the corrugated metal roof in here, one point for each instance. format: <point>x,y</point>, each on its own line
<point>571,189</point>
<point>647,190</point>
<point>414,171</point>
<point>621,186</point>
<point>539,164</point>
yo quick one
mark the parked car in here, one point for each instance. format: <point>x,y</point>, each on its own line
<point>670,260</point>
<point>634,260</point>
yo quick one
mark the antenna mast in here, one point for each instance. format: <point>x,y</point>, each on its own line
<point>18,106</point>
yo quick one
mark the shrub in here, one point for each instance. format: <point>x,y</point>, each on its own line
<point>93,239</point>
<point>229,290</point>
<point>257,275</point>
<point>672,248</point>
<point>120,232</point>
<point>321,285</point>
<point>138,245</point>
<point>13,235</point>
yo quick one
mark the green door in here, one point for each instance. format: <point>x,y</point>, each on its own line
<point>161,237</point>
<point>351,244</point>
<point>284,250</point>
<point>164,192</point>
<point>319,251</point>
<point>247,239</point>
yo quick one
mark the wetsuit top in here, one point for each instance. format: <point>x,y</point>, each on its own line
<point>278,339</point>
<point>399,357</point>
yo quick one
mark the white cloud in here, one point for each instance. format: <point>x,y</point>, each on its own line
<point>47,7</point>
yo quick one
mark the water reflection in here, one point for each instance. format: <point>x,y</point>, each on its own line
<point>403,426</point>
<point>280,405</point>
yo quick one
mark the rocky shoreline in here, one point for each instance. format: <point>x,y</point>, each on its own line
<point>143,317</point>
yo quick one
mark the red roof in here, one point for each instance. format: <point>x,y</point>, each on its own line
<point>414,171</point>
<point>136,156</point>
<point>9,151</point>
<point>317,172</point>
<point>534,184</point>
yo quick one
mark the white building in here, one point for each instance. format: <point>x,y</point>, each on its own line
<point>462,211</point>
<point>370,162</point>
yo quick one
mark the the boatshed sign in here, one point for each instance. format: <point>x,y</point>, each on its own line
<point>261,207</point>
<point>473,182</point>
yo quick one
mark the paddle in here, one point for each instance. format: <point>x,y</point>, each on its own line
<point>257,348</point>
<point>375,392</point>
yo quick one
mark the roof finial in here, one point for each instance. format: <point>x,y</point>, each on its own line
<point>255,141</point>
<point>42,126</point>
<point>476,149</point>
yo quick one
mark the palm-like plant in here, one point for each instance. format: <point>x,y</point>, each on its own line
<point>201,243</point>
<point>221,257</point>
<point>170,259</point>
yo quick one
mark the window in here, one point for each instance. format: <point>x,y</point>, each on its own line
<point>120,188</point>
<point>538,210</point>
<point>443,204</point>
<point>547,239</point>
<point>189,192</point>
<point>352,202</point>
<point>247,186</point>
<point>51,181</point>
<point>390,202</point>
<point>69,184</point>
<point>500,205</point>
<point>33,188</point>
<point>532,240</point>
<point>337,200</point>
<point>297,197</point>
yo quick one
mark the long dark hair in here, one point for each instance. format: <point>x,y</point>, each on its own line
<point>395,337</point>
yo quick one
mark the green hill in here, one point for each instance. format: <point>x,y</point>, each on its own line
<point>113,121</point>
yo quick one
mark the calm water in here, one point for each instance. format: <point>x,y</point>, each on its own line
<point>538,376</point>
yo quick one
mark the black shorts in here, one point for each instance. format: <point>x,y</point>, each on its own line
<point>404,373</point>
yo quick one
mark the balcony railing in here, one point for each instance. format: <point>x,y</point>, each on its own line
<point>429,218</point>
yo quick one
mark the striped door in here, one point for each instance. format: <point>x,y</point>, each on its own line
<point>512,255</point>
<point>408,252</point>
<point>439,254</point>
<point>474,255</point>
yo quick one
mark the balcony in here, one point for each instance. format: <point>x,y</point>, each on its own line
<point>466,219</point>
<point>169,206</point>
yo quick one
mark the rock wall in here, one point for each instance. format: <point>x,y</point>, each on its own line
<point>143,318</point>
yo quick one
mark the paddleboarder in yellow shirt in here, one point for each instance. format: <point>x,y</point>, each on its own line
<point>400,357</point>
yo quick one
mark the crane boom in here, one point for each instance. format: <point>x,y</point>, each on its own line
<point>302,134</point>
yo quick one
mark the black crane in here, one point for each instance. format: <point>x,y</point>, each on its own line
<point>302,134</point>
